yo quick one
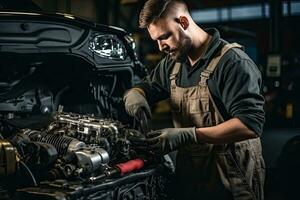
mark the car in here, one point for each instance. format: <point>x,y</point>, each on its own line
<point>64,131</point>
<point>57,60</point>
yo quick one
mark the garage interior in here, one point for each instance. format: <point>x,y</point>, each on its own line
<point>269,31</point>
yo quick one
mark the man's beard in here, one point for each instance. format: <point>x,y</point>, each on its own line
<point>180,54</point>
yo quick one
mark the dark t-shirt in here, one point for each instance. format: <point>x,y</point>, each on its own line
<point>235,84</point>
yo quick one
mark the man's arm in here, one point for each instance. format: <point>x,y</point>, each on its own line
<point>156,86</point>
<point>151,90</point>
<point>240,86</point>
<point>232,130</point>
<point>166,140</point>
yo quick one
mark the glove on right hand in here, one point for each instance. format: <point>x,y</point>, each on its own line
<point>135,102</point>
<point>169,139</point>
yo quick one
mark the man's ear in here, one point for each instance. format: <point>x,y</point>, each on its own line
<point>184,22</point>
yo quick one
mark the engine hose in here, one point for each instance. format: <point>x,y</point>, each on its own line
<point>112,184</point>
<point>121,169</point>
<point>130,166</point>
<point>113,87</point>
<point>29,172</point>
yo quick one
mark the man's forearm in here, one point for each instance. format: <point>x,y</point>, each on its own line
<point>232,130</point>
<point>139,90</point>
<point>153,92</point>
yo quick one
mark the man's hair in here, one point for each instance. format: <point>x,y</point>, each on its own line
<point>155,9</point>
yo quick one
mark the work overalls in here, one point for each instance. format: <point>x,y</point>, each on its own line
<point>208,171</point>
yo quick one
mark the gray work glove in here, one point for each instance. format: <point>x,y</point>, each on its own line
<point>135,103</point>
<point>169,139</point>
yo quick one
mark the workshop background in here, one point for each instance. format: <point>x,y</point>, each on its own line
<point>269,31</point>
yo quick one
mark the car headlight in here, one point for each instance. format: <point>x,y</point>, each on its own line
<point>108,46</point>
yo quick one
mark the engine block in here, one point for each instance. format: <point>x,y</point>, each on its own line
<point>84,157</point>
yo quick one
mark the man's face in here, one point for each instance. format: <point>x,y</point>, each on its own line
<point>171,38</point>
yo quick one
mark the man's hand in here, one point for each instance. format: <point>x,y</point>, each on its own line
<point>135,102</point>
<point>169,139</point>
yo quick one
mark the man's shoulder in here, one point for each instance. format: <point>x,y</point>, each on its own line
<point>235,60</point>
<point>235,53</point>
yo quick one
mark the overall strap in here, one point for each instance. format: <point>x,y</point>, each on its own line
<point>213,63</point>
<point>174,73</point>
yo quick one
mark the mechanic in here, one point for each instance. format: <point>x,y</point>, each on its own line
<point>215,94</point>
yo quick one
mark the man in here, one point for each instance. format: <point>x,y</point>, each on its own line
<point>214,91</point>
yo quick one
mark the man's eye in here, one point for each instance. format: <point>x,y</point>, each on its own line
<point>164,37</point>
<point>167,36</point>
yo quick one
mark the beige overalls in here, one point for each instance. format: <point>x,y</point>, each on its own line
<point>207,171</point>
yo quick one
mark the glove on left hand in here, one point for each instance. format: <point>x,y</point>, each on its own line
<point>135,103</point>
<point>169,139</point>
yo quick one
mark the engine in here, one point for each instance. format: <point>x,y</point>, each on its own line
<point>81,157</point>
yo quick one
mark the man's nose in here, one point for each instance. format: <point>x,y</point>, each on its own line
<point>162,46</point>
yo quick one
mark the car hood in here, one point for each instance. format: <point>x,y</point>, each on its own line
<point>60,17</point>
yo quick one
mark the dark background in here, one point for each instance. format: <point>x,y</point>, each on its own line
<point>269,31</point>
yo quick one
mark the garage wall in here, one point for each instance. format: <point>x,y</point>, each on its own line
<point>88,9</point>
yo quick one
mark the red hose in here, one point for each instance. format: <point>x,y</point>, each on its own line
<point>130,166</point>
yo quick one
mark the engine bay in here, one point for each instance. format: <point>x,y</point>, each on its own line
<point>64,131</point>
<point>81,157</point>
<point>67,135</point>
